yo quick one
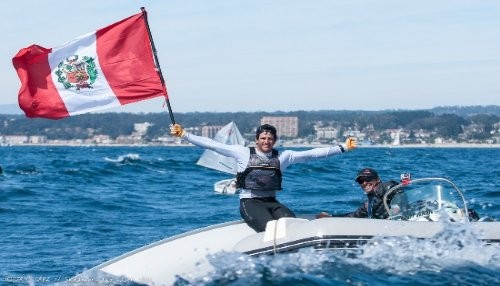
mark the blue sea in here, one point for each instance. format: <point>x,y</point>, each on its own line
<point>64,210</point>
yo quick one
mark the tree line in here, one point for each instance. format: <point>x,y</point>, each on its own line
<point>445,122</point>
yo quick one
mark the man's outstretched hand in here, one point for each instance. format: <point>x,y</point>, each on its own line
<point>177,130</point>
<point>351,143</point>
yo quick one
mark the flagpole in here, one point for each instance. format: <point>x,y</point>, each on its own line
<point>157,62</point>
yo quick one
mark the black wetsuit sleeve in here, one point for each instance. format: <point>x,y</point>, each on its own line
<point>360,212</point>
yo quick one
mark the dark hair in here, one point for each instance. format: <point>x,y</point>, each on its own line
<point>266,128</point>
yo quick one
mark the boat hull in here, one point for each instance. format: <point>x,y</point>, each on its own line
<point>162,262</point>
<point>289,234</point>
<point>185,256</point>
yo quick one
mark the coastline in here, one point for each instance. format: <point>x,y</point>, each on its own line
<point>457,145</point>
<point>444,145</point>
<point>464,145</point>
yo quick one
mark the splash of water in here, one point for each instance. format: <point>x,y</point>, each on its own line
<point>124,159</point>
<point>454,247</point>
<point>456,244</point>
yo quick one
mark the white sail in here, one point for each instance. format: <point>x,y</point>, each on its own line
<point>229,134</point>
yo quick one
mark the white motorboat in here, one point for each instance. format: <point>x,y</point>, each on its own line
<point>421,208</point>
<point>226,186</point>
<point>229,134</point>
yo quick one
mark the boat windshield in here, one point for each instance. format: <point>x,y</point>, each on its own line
<point>426,200</point>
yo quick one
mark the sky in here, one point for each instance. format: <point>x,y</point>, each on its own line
<point>288,55</point>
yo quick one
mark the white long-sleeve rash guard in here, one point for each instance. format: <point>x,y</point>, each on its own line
<point>242,156</point>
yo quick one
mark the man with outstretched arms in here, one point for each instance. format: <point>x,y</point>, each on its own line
<point>260,170</point>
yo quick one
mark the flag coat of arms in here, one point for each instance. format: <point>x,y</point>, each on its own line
<point>110,67</point>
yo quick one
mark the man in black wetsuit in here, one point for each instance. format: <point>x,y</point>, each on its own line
<point>369,180</point>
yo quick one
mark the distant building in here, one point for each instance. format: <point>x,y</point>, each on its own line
<point>286,126</point>
<point>101,139</point>
<point>210,130</point>
<point>326,133</point>
<point>129,139</point>
<point>15,139</point>
<point>141,128</point>
<point>193,130</point>
<point>35,139</point>
<point>166,140</point>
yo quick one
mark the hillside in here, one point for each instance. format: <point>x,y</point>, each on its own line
<point>480,122</point>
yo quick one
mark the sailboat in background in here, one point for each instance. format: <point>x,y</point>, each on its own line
<point>229,134</point>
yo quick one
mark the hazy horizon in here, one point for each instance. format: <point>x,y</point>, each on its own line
<point>14,109</point>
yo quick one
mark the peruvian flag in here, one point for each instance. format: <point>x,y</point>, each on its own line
<point>110,67</point>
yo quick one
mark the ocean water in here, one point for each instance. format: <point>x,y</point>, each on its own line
<point>64,210</point>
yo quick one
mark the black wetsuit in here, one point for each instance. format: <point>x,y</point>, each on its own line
<point>258,211</point>
<point>373,207</point>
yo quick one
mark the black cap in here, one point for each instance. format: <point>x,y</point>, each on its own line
<point>366,174</point>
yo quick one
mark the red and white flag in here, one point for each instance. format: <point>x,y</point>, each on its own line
<point>110,67</point>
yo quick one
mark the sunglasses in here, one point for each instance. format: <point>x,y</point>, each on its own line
<point>365,180</point>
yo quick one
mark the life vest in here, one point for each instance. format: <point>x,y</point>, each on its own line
<point>261,174</point>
